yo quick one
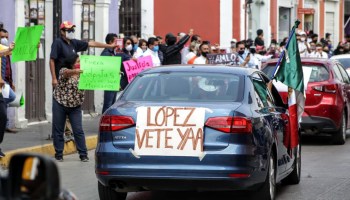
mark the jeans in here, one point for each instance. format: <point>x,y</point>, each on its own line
<point>109,99</point>
<point>12,97</point>
<point>3,117</point>
<point>59,113</point>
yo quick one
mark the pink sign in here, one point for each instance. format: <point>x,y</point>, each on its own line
<point>133,68</point>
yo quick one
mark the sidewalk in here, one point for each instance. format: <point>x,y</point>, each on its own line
<point>34,139</point>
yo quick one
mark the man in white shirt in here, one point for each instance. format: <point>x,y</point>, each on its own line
<point>319,53</point>
<point>152,51</point>
<point>304,48</point>
<point>204,51</point>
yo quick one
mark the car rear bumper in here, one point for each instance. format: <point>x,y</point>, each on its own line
<point>317,125</point>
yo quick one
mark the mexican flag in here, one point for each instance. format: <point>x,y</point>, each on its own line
<point>290,73</point>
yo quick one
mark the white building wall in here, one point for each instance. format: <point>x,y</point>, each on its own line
<point>332,7</point>
<point>147,18</point>
<point>226,17</point>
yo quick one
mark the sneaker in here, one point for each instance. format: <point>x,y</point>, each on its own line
<point>84,158</point>
<point>2,154</point>
<point>59,158</point>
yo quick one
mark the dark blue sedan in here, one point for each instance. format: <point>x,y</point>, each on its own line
<point>196,128</point>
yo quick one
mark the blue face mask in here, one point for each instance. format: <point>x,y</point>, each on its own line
<point>135,47</point>
<point>156,48</point>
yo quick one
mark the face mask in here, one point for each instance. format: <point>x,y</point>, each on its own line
<point>156,48</point>
<point>4,41</point>
<point>204,54</point>
<point>135,47</point>
<point>129,47</point>
<point>70,36</point>
<point>241,52</point>
<point>302,39</point>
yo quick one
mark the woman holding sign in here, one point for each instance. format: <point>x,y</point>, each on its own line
<point>67,100</point>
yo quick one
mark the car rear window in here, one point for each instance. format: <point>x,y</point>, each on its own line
<point>186,86</point>
<point>345,62</point>
<point>318,73</point>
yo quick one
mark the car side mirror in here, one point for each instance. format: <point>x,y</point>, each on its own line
<point>32,177</point>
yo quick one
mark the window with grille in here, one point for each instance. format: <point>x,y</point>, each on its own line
<point>88,23</point>
<point>130,17</point>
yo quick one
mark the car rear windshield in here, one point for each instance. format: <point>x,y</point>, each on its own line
<point>186,86</point>
<point>345,62</point>
<point>318,73</point>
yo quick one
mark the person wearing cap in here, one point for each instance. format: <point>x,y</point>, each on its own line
<point>171,51</point>
<point>232,48</point>
<point>67,45</point>
<point>304,47</point>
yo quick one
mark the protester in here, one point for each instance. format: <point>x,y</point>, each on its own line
<point>192,54</point>
<point>67,100</point>
<point>304,48</point>
<point>204,50</point>
<point>171,50</point>
<point>273,50</point>
<point>319,53</point>
<point>152,51</point>
<point>3,112</point>
<point>142,47</point>
<point>197,40</point>
<point>232,48</point>
<point>314,38</point>
<point>6,73</point>
<point>259,40</point>
<point>339,50</point>
<point>135,41</point>
<point>244,56</point>
<point>312,48</point>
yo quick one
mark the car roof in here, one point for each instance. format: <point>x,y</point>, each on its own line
<point>341,56</point>
<point>201,68</point>
<point>317,61</point>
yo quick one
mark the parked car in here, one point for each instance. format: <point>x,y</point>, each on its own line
<point>327,102</point>
<point>195,128</point>
<point>344,59</point>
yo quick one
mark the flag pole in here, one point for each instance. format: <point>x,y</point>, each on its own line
<point>297,22</point>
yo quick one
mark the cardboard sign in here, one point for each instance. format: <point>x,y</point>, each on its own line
<point>228,58</point>
<point>133,68</point>
<point>169,131</point>
<point>26,43</point>
<point>100,73</point>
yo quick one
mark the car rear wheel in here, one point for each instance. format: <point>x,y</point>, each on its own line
<point>294,177</point>
<point>340,136</point>
<point>268,190</point>
<point>107,193</point>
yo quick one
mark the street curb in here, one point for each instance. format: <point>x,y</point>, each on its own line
<point>48,149</point>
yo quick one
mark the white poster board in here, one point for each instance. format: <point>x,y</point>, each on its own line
<point>169,131</point>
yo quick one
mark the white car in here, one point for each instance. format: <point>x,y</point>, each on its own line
<point>344,59</point>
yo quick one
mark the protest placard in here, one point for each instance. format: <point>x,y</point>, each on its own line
<point>228,58</point>
<point>169,131</point>
<point>26,43</point>
<point>133,68</point>
<point>100,73</point>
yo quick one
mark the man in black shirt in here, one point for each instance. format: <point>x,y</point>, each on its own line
<point>259,40</point>
<point>66,45</point>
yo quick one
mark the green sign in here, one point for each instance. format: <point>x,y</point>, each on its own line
<point>100,73</point>
<point>26,43</point>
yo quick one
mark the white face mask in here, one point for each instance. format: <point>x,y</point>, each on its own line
<point>129,47</point>
<point>302,39</point>
<point>70,36</point>
<point>4,41</point>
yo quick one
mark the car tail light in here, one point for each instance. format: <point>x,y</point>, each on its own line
<point>331,88</point>
<point>230,124</point>
<point>115,123</point>
<point>239,175</point>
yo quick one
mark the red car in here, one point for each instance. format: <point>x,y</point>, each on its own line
<point>327,102</point>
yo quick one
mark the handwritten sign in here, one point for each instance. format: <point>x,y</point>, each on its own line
<point>169,131</point>
<point>27,40</point>
<point>228,58</point>
<point>100,73</point>
<point>133,68</point>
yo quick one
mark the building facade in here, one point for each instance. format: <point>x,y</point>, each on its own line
<point>215,20</point>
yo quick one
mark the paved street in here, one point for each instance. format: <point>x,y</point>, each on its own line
<point>325,175</point>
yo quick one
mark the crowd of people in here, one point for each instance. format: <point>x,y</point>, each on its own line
<point>183,48</point>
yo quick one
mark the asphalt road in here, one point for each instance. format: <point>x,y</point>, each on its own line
<point>325,175</point>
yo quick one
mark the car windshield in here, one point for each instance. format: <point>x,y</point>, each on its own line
<point>318,73</point>
<point>345,62</point>
<point>186,86</point>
